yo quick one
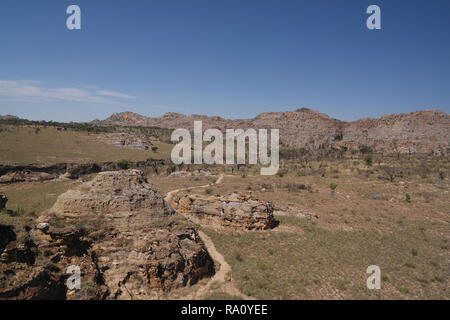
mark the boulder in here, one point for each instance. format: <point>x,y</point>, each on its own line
<point>239,211</point>
<point>7,235</point>
<point>3,201</point>
<point>75,171</point>
<point>110,192</point>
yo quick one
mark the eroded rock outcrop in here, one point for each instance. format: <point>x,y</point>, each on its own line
<point>20,277</point>
<point>194,173</point>
<point>109,192</point>
<point>3,201</point>
<point>118,230</point>
<point>236,210</point>
<point>126,140</point>
<point>74,170</point>
<point>26,176</point>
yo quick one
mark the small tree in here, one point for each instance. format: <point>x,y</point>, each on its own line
<point>123,164</point>
<point>408,197</point>
<point>390,172</point>
<point>171,169</point>
<point>333,187</point>
<point>368,161</point>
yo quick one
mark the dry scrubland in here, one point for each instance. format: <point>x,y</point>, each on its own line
<point>387,211</point>
<point>400,225</point>
<point>343,212</point>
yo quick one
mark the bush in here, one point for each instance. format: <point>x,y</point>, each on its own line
<point>368,161</point>
<point>291,187</point>
<point>238,256</point>
<point>19,211</point>
<point>281,173</point>
<point>408,197</point>
<point>171,169</point>
<point>154,148</point>
<point>390,172</point>
<point>123,164</point>
<point>333,187</point>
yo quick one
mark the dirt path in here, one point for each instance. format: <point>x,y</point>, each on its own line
<point>170,194</point>
<point>223,277</point>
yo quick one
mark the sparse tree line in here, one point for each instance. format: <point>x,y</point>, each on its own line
<point>160,133</point>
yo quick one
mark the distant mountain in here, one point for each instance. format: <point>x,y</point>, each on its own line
<point>421,131</point>
<point>6,117</point>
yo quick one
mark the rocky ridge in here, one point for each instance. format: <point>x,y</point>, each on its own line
<point>125,140</point>
<point>422,131</point>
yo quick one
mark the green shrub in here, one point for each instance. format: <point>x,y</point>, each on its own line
<point>333,187</point>
<point>123,164</point>
<point>408,197</point>
<point>171,169</point>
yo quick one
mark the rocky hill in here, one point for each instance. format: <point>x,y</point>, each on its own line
<point>422,131</point>
<point>7,117</point>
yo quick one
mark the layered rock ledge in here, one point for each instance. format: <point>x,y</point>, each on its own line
<point>111,191</point>
<point>239,211</point>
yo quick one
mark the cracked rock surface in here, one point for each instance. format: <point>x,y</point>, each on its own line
<point>239,211</point>
<point>118,230</point>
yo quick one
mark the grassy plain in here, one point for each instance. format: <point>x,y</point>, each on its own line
<point>23,145</point>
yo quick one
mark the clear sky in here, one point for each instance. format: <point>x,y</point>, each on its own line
<point>233,58</point>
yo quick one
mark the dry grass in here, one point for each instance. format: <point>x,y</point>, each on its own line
<point>22,145</point>
<point>366,221</point>
<point>331,264</point>
<point>164,184</point>
<point>35,196</point>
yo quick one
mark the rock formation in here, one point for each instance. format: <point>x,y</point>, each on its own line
<point>3,201</point>
<point>238,211</point>
<point>422,131</point>
<point>110,192</point>
<point>76,170</point>
<point>195,173</point>
<point>125,140</point>
<point>26,176</point>
<point>118,230</point>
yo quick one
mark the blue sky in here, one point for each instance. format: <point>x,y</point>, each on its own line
<point>234,58</point>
